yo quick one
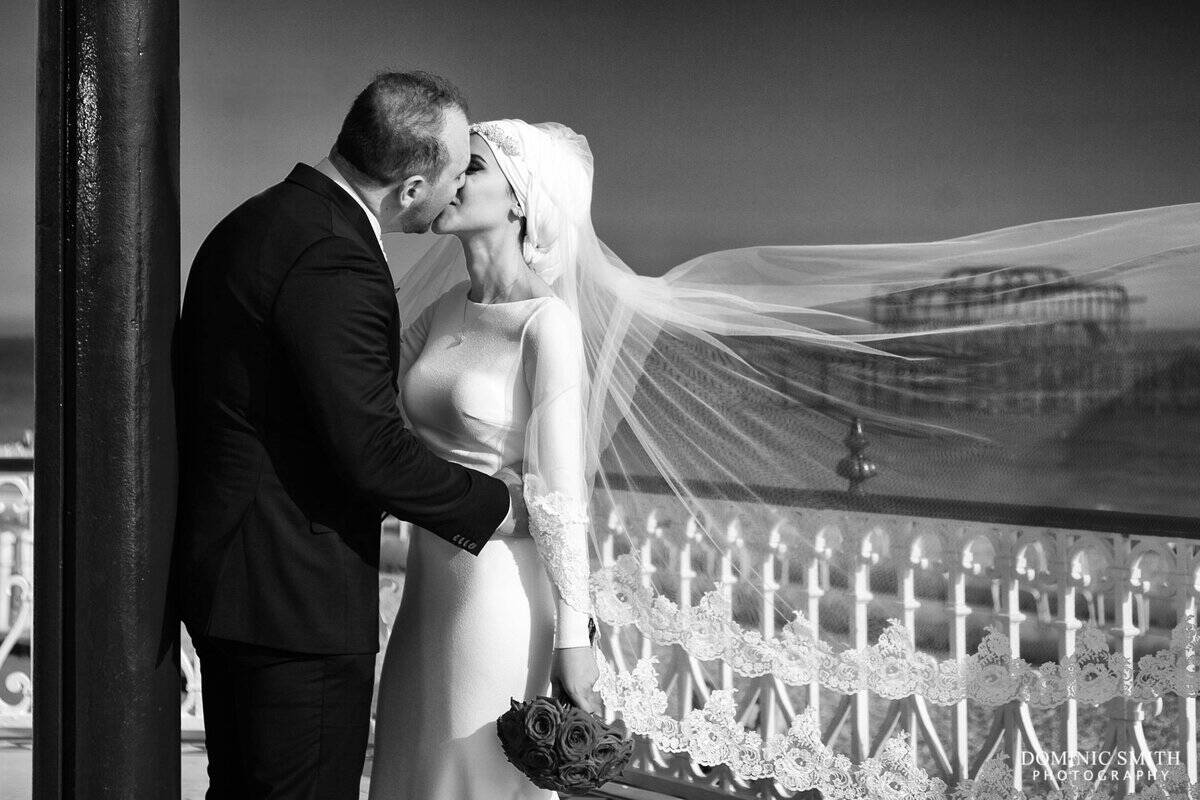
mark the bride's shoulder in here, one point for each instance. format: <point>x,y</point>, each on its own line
<point>551,318</point>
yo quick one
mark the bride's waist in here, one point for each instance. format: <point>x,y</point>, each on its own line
<point>429,548</point>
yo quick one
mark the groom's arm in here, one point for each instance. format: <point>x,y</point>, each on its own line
<point>332,317</point>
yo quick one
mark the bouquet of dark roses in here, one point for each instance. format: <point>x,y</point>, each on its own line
<point>561,748</point>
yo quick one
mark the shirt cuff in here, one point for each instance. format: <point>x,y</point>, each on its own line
<point>508,523</point>
<point>572,629</point>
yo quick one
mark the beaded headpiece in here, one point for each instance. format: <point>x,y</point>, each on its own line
<point>493,133</point>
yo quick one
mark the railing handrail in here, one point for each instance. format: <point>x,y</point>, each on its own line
<point>16,463</point>
<point>1120,522</point>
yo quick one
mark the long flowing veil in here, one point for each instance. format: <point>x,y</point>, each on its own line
<point>988,368</point>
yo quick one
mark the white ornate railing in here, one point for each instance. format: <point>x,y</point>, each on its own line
<point>955,642</point>
<point>16,596</point>
<point>1105,604</point>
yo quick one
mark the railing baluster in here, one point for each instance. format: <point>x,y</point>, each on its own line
<point>686,687</point>
<point>769,699</point>
<point>906,580</point>
<point>860,716</point>
<point>652,532</point>
<point>813,592</point>
<point>1187,590</point>
<point>963,562</point>
<point>615,524</point>
<point>25,543</point>
<point>1010,617</point>
<point>8,567</point>
<point>1067,626</point>
<point>1127,715</point>
<point>732,544</point>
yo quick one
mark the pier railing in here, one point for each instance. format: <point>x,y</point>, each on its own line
<point>954,634</point>
<point>16,594</point>
<point>962,632</point>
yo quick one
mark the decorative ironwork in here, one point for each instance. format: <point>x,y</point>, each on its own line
<point>856,468</point>
<point>16,592</point>
<point>915,691</point>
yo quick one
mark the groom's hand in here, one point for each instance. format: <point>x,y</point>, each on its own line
<point>516,523</point>
<point>572,676</point>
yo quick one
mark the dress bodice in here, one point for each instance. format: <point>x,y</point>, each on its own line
<point>463,390</point>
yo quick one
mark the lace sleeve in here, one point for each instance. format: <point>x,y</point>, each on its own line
<point>555,494</point>
<point>558,525</point>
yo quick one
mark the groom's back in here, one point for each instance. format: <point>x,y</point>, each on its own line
<point>256,486</point>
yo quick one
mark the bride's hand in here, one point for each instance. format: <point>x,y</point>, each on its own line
<point>572,676</point>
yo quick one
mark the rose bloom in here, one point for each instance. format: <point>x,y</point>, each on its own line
<point>606,751</point>
<point>577,736</point>
<point>542,721</point>
<point>612,753</point>
<point>580,775</point>
<point>510,727</point>
<point>538,760</point>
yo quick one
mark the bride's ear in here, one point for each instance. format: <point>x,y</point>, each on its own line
<point>515,211</point>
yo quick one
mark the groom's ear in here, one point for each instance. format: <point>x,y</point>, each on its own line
<point>411,191</point>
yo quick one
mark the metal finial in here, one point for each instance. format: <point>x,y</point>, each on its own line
<point>856,468</point>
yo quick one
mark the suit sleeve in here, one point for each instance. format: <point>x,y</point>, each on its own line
<point>332,320</point>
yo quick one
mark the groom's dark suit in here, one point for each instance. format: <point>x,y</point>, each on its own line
<point>291,448</point>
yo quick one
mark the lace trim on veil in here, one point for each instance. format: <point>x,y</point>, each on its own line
<point>892,667</point>
<point>799,760</point>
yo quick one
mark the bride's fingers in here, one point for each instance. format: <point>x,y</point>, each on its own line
<point>582,698</point>
<point>589,701</point>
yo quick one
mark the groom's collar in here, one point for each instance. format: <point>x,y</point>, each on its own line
<point>351,205</point>
<point>326,168</point>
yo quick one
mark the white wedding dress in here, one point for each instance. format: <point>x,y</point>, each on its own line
<point>474,631</point>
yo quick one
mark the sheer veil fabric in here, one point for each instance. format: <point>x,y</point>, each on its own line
<point>736,374</point>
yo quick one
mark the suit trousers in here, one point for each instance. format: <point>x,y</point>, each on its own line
<point>284,725</point>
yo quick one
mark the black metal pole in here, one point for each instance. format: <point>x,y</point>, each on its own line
<point>106,679</point>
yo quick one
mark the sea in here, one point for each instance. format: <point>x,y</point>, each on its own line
<point>16,387</point>
<point>1117,459</point>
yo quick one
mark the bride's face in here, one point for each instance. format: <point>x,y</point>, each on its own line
<point>485,201</point>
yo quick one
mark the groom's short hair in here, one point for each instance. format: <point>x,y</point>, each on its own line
<point>393,129</point>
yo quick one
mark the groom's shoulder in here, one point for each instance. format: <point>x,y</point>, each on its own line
<point>296,207</point>
<point>298,197</point>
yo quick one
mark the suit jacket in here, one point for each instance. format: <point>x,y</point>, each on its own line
<point>291,443</point>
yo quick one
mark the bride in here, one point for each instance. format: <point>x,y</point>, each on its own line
<point>555,360</point>
<point>493,376</point>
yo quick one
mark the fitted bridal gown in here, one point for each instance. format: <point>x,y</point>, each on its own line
<point>482,385</point>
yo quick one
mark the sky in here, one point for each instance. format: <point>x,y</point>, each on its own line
<point>714,124</point>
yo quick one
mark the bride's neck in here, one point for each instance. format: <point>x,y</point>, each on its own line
<point>497,269</point>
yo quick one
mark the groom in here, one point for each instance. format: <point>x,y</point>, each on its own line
<point>292,447</point>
